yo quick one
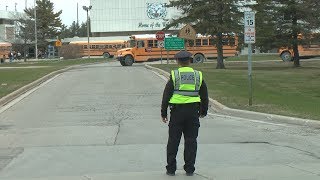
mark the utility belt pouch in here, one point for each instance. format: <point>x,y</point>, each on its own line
<point>172,107</point>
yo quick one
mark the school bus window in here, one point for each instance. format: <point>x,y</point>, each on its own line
<point>205,42</point>
<point>225,41</point>
<point>198,42</point>
<point>232,42</point>
<point>101,46</point>
<point>150,43</point>
<point>315,41</point>
<point>140,44</point>
<point>190,42</point>
<point>85,47</point>
<point>132,43</point>
<point>212,42</point>
<point>155,44</point>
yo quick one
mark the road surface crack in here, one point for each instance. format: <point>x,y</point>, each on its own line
<point>308,153</point>
<point>203,176</point>
<point>303,170</point>
<point>116,138</point>
<point>120,115</point>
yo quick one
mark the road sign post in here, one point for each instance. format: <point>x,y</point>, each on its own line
<point>161,46</point>
<point>160,35</point>
<point>249,38</point>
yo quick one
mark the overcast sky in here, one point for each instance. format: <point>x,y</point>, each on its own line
<point>68,7</point>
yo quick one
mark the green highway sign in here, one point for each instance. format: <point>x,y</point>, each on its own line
<point>173,43</point>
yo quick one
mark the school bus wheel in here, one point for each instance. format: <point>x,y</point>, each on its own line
<point>198,58</point>
<point>128,60</point>
<point>122,63</point>
<point>106,55</point>
<point>286,56</point>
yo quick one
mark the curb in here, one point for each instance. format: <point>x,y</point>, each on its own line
<point>222,109</point>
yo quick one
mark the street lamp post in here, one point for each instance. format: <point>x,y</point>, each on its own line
<point>88,33</point>
<point>35,31</point>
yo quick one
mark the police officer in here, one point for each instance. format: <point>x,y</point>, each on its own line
<point>187,96</point>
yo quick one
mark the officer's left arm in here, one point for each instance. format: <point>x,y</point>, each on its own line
<point>203,92</point>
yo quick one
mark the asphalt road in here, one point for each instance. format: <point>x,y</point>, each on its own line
<point>103,122</point>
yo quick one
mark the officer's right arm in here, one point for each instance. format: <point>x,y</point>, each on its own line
<point>167,94</point>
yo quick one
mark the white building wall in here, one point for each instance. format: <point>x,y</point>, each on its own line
<point>130,15</point>
<point>2,33</point>
<point>8,31</point>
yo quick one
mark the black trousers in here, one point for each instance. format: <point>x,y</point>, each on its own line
<point>183,119</point>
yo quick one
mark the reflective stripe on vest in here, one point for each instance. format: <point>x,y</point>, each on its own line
<point>187,93</point>
<point>187,83</point>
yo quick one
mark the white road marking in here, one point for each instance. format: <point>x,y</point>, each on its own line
<point>18,99</point>
<point>250,120</point>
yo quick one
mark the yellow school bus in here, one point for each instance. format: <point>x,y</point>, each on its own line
<point>107,48</point>
<point>5,48</point>
<point>310,48</point>
<point>145,48</point>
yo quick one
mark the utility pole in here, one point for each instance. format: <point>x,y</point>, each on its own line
<point>35,30</point>
<point>88,29</point>
<point>77,14</point>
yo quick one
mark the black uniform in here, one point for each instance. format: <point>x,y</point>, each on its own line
<point>184,118</point>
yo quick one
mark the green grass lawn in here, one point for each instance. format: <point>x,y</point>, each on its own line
<point>278,87</point>
<point>56,63</point>
<point>255,57</point>
<point>15,78</point>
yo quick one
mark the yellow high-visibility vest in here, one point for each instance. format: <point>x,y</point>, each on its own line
<point>186,83</point>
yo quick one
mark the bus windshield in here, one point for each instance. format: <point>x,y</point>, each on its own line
<point>132,43</point>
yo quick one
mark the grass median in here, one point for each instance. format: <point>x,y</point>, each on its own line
<point>278,87</point>
<point>18,74</point>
